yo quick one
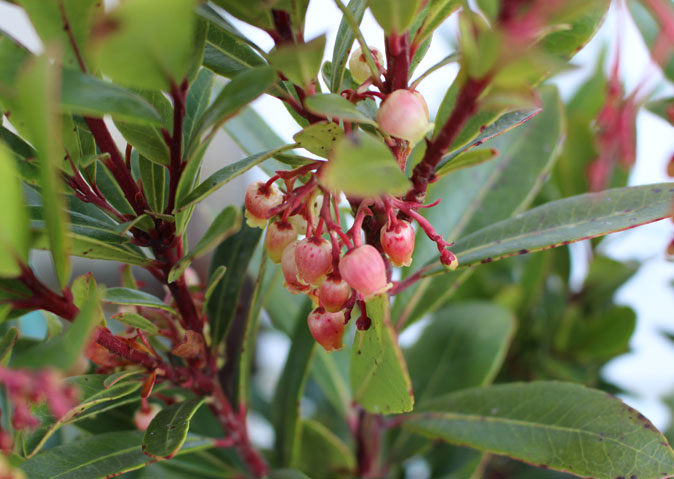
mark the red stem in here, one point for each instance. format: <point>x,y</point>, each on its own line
<point>398,61</point>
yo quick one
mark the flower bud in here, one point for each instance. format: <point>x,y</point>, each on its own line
<point>334,293</point>
<point>364,269</point>
<point>398,242</point>
<point>360,70</point>
<point>289,268</point>
<point>327,328</point>
<point>143,418</point>
<point>314,260</point>
<point>279,235</point>
<point>404,114</point>
<point>449,259</point>
<point>260,201</point>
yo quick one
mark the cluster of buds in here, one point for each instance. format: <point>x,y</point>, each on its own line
<point>323,260</point>
<point>26,388</point>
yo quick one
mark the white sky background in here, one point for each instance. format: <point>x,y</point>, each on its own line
<point>647,372</point>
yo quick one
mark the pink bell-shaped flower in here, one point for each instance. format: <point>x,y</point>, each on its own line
<point>397,242</point>
<point>364,269</point>
<point>327,328</point>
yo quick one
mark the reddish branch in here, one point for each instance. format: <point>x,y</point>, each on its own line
<point>398,61</point>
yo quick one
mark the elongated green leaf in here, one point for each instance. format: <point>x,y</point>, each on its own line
<point>322,453</point>
<point>14,232</point>
<point>148,47</point>
<point>148,139</point>
<point>56,20</point>
<point>565,221</point>
<point>557,425</point>
<point>196,101</point>
<point>225,175</point>
<point>255,12</point>
<point>662,107</point>
<point>332,380</point>
<point>95,397</point>
<point>153,176</point>
<point>299,63</point>
<point>333,106</point>
<point>235,254</point>
<point>581,25</point>
<point>88,95</point>
<point>133,297</point>
<point>7,343</point>
<point>167,432</point>
<point>98,457</point>
<point>343,42</point>
<point>36,112</point>
<point>362,165</point>
<point>466,160</point>
<point>243,89</point>
<point>287,474</point>
<point>227,52</point>
<point>379,378</point>
<point>64,350</point>
<point>286,404</point>
<point>137,321</point>
<point>227,223</point>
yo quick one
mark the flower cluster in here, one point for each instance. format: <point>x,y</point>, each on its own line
<point>322,259</point>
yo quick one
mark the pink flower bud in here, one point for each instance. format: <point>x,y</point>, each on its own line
<point>364,269</point>
<point>360,70</point>
<point>404,114</point>
<point>289,268</point>
<point>143,418</point>
<point>334,293</point>
<point>314,260</point>
<point>260,201</point>
<point>449,259</point>
<point>279,235</point>
<point>327,328</point>
<point>398,242</point>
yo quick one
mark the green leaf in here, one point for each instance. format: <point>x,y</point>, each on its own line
<point>394,16</point>
<point>255,12</point>
<point>14,231</point>
<point>319,138</point>
<point>241,340</point>
<point>95,397</point>
<point>153,176</point>
<point>438,12</point>
<point>227,223</point>
<point>335,107</point>
<point>287,474</point>
<point>662,107</point>
<point>343,43</point>
<point>286,403</point>
<point>87,95</point>
<point>36,112</point>
<point>243,89</point>
<point>98,457</point>
<point>47,16</point>
<point>463,347</point>
<point>148,47</point>
<point>556,425</point>
<point>131,297</point>
<point>235,254</point>
<point>7,343</point>
<point>362,165</point>
<point>227,52</point>
<point>196,101</point>
<point>167,432</point>
<point>137,321</point>
<point>148,139</point>
<point>564,221</point>
<point>466,160</point>
<point>379,378</point>
<point>64,350</point>
<point>602,336</point>
<point>322,453</point>
<point>299,63</point>
<point>225,175</point>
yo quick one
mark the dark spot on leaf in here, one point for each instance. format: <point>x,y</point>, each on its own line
<point>523,251</point>
<point>657,190</point>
